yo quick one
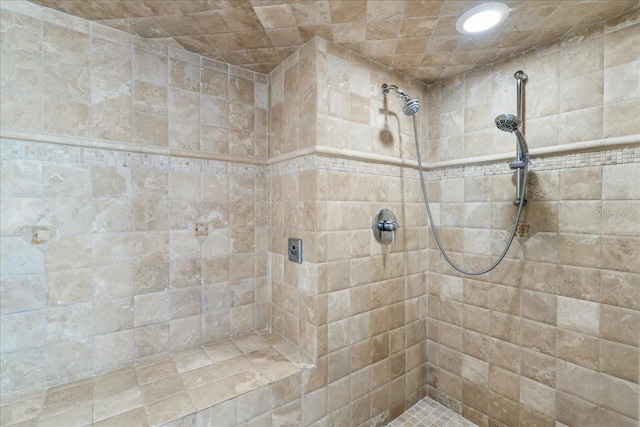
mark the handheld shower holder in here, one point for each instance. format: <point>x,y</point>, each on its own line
<point>520,163</point>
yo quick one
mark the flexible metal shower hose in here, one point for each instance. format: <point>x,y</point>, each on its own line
<point>433,226</point>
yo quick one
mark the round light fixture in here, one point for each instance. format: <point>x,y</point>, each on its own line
<point>482,18</point>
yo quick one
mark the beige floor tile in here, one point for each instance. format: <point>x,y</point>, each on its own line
<point>170,409</point>
<point>269,337</point>
<point>133,418</point>
<point>163,389</point>
<point>29,423</point>
<point>201,376</point>
<point>159,371</point>
<point>77,415</point>
<point>247,381</point>
<point>63,399</point>
<point>250,342</point>
<point>208,395</point>
<point>70,385</point>
<point>191,359</point>
<point>21,410</point>
<point>278,370</point>
<point>234,366</point>
<point>222,351</point>
<point>117,404</point>
<point>115,382</point>
<point>265,355</point>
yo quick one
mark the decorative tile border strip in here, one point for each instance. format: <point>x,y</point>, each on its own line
<point>316,161</point>
<point>577,160</point>
<point>35,150</point>
<point>538,164</point>
<point>321,159</point>
<point>570,161</point>
<point>293,165</point>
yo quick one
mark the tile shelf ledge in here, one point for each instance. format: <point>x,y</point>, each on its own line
<point>168,388</point>
<point>325,151</point>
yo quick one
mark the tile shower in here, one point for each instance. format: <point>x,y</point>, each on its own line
<point>147,195</point>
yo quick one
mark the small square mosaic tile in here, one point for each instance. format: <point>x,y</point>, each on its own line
<point>429,413</point>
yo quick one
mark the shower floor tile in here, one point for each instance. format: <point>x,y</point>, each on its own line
<point>429,413</point>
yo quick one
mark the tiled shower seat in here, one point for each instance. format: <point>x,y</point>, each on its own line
<point>223,383</point>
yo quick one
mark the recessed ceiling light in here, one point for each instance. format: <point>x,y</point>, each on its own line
<point>482,18</point>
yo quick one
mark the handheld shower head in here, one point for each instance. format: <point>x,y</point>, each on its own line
<point>411,105</point>
<point>508,122</point>
<point>512,124</point>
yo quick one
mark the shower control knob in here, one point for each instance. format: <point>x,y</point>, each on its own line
<point>387,225</point>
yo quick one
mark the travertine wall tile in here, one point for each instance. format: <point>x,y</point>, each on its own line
<point>561,325</point>
<point>571,409</point>
<point>63,44</point>
<point>619,395</point>
<point>327,208</point>
<point>68,287</point>
<point>22,293</point>
<point>362,312</point>
<point>111,254</point>
<point>23,330</point>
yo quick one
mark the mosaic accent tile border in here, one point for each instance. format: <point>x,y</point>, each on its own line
<point>538,164</point>
<point>34,150</point>
<point>31,150</point>
<point>298,164</point>
<point>319,162</point>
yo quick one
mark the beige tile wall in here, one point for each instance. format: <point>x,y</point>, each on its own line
<point>551,335</point>
<point>127,268</point>
<point>146,253</point>
<point>357,308</point>
<point>64,75</point>
<point>582,88</point>
<point>139,261</point>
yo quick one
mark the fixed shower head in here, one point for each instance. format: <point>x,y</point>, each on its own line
<point>411,105</point>
<point>512,124</point>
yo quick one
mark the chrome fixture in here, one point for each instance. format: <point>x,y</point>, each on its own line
<point>385,226</point>
<point>504,122</point>
<point>411,105</point>
<point>512,124</point>
<point>515,125</point>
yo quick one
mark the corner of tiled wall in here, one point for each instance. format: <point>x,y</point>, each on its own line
<point>532,341</point>
<point>134,237</point>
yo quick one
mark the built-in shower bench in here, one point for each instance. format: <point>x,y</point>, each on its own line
<point>218,384</point>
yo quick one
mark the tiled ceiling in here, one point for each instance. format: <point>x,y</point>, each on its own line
<point>415,37</point>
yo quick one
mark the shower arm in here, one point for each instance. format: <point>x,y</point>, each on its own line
<point>401,94</point>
